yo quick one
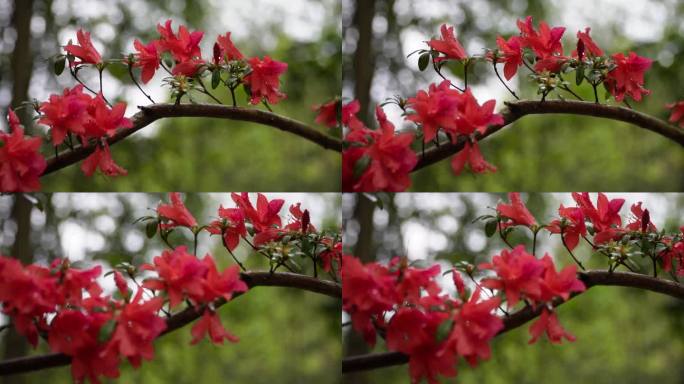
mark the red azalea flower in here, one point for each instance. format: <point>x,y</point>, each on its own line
<point>391,159</point>
<point>188,68</point>
<point>102,159</point>
<point>641,220</point>
<point>265,216</point>
<point>518,275</point>
<point>512,55</point>
<point>471,155</point>
<point>332,255</point>
<point>349,112</point>
<point>263,80</point>
<point>574,226</point>
<point>448,45</point>
<point>85,51</point>
<point>136,328</point>
<point>66,113</point>
<point>606,219</point>
<point>302,220</point>
<point>415,281</point>
<point>559,284</point>
<point>516,211</point>
<point>586,44</point>
<point>546,42</point>
<point>677,114</point>
<point>210,324</point>
<point>121,283</point>
<point>183,47</point>
<point>548,323</point>
<point>21,163</point>
<point>147,59</point>
<point>368,293</point>
<point>628,77</point>
<point>435,109</point>
<point>475,118</point>
<point>220,284</point>
<point>105,121</point>
<point>328,113</point>
<point>673,253</point>
<point>175,214</point>
<point>474,326</point>
<point>551,64</point>
<point>231,226</point>
<point>228,51</point>
<point>72,282</point>
<point>180,274</point>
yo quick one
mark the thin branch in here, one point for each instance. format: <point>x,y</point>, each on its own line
<point>590,279</point>
<point>181,319</point>
<point>517,109</point>
<point>149,114</point>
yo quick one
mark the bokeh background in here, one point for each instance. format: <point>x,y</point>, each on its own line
<point>537,153</point>
<point>286,335</point>
<point>189,154</point>
<point>624,335</point>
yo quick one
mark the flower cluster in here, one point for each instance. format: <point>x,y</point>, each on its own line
<point>83,114</point>
<point>413,310</point>
<point>408,307</point>
<point>68,308</point>
<point>260,227</point>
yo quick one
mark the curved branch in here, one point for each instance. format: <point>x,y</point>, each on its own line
<point>517,109</point>
<point>149,114</point>
<point>515,320</point>
<point>186,316</point>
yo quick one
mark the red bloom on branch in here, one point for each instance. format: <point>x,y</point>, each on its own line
<point>328,113</point>
<point>263,80</point>
<point>475,118</point>
<point>220,284</point>
<point>448,45</point>
<point>390,158</point>
<point>175,214</point>
<point>231,226</point>
<point>210,324</point>
<point>516,211</point>
<point>188,68</point>
<point>85,51</point>
<point>474,326</point>
<point>628,77</point>
<point>677,114</point>
<point>518,275</point>
<point>265,216</point>
<point>511,54</point>
<point>101,159</point>
<point>559,284</point>
<point>548,323</point>
<point>471,155</point>
<point>105,121</point>
<point>137,326</point>
<point>180,275</point>
<point>435,109</point>
<point>183,47</point>
<point>66,114</point>
<point>546,42</point>
<point>605,219</point>
<point>302,220</point>
<point>147,59</point>
<point>21,163</point>
<point>228,50</point>
<point>332,255</point>
<point>641,220</point>
<point>571,225</point>
<point>349,112</point>
<point>586,44</point>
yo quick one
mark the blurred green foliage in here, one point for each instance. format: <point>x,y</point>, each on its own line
<point>624,335</point>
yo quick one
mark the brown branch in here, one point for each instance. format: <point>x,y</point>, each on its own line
<point>590,279</point>
<point>149,114</point>
<point>188,315</point>
<point>517,109</point>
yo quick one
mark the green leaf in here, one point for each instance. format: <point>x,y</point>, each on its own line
<point>423,61</point>
<point>443,330</point>
<point>215,78</point>
<point>106,331</point>
<point>579,75</point>
<point>151,229</point>
<point>59,65</point>
<point>490,228</point>
<point>361,166</point>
